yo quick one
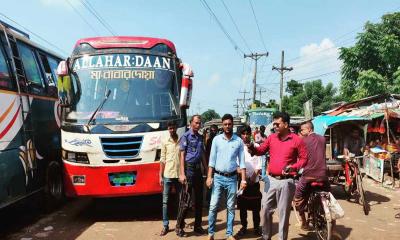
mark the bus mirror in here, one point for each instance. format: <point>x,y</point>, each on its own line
<point>186,89</point>
<point>62,69</point>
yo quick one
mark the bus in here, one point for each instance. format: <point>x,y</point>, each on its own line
<point>259,116</point>
<point>30,147</point>
<point>117,96</point>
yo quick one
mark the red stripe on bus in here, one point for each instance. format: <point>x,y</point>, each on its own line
<point>4,132</point>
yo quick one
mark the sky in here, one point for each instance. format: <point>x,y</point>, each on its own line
<point>309,31</point>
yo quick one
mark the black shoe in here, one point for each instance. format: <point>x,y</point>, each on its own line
<point>164,231</point>
<point>180,232</point>
<point>257,231</point>
<point>199,230</point>
<point>242,231</point>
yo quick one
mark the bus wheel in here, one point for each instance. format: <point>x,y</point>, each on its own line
<point>54,188</point>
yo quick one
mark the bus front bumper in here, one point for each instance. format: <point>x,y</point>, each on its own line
<point>111,181</point>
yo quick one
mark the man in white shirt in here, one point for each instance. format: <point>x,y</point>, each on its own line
<point>251,197</point>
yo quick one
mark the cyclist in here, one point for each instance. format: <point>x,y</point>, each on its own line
<point>314,170</point>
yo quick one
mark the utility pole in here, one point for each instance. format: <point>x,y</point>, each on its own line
<point>198,108</point>
<point>237,106</point>
<point>255,57</point>
<point>282,70</point>
<point>260,91</point>
<point>244,99</point>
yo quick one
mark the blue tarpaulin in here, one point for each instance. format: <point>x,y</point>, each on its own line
<point>322,123</point>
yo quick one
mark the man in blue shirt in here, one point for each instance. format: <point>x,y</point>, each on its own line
<point>226,150</point>
<point>192,155</point>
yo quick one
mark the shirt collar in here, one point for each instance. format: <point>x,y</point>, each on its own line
<point>172,140</point>
<point>191,131</point>
<point>287,137</point>
<point>232,138</point>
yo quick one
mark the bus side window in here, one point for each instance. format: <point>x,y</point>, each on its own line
<point>31,67</point>
<point>53,67</point>
<point>5,79</point>
<point>50,78</point>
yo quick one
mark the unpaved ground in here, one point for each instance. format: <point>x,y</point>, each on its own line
<point>140,218</point>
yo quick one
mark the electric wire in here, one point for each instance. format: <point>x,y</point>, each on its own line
<point>82,17</point>
<point>34,34</point>
<point>258,26</point>
<point>236,26</point>
<point>97,16</point>
<point>211,12</point>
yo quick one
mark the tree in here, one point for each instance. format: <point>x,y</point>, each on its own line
<point>322,97</point>
<point>272,104</point>
<point>209,115</point>
<point>372,65</point>
<point>294,88</point>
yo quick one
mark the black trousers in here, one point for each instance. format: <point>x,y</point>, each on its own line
<point>250,200</point>
<point>195,190</point>
<point>243,217</point>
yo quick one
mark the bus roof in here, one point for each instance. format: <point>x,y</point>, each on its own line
<point>125,41</point>
<point>262,110</point>
<point>23,37</point>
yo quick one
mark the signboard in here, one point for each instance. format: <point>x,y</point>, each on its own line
<point>373,167</point>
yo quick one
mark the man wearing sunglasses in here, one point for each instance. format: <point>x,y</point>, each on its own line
<point>285,149</point>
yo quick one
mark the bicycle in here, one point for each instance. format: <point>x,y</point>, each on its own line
<point>317,209</point>
<point>353,182</point>
<point>318,213</point>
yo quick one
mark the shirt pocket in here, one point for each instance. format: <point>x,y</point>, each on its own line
<point>192,146</point>
<point>234,149</point>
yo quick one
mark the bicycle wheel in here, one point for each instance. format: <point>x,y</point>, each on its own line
<point>322,227</point>
<point>362,199</point>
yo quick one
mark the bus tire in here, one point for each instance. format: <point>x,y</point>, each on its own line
<point>54,188</point>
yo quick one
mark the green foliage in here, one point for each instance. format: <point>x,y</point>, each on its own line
<point>322,97</point>
<point>371,66</point>
<point>209,115</point>
<point>272,104</point>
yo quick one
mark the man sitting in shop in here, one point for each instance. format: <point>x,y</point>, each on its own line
<point>354,143</point>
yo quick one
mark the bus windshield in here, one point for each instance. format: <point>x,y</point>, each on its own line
<point>143,88</point>
<point>260,118</point>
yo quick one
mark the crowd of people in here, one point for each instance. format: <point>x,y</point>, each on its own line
<point>234,165</point>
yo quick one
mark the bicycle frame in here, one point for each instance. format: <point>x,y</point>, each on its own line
<point>316,200</point>
<point>351,171</point>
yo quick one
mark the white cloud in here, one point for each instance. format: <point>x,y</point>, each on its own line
<point>214,79</point>
<point>316,59</point>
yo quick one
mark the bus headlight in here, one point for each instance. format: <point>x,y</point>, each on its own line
<point>77,157</point>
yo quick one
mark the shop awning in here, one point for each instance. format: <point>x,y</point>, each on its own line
<point>322,123</point>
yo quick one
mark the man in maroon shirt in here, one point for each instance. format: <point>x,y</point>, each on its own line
<point>285,149</point>
<point>314,170</point>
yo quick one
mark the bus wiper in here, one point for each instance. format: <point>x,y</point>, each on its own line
<point>98,108</point>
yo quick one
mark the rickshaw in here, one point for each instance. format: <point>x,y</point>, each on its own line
<point>342,170</point>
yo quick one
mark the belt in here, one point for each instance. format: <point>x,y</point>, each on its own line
<point>280,177</point>
<point>226,174</point>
